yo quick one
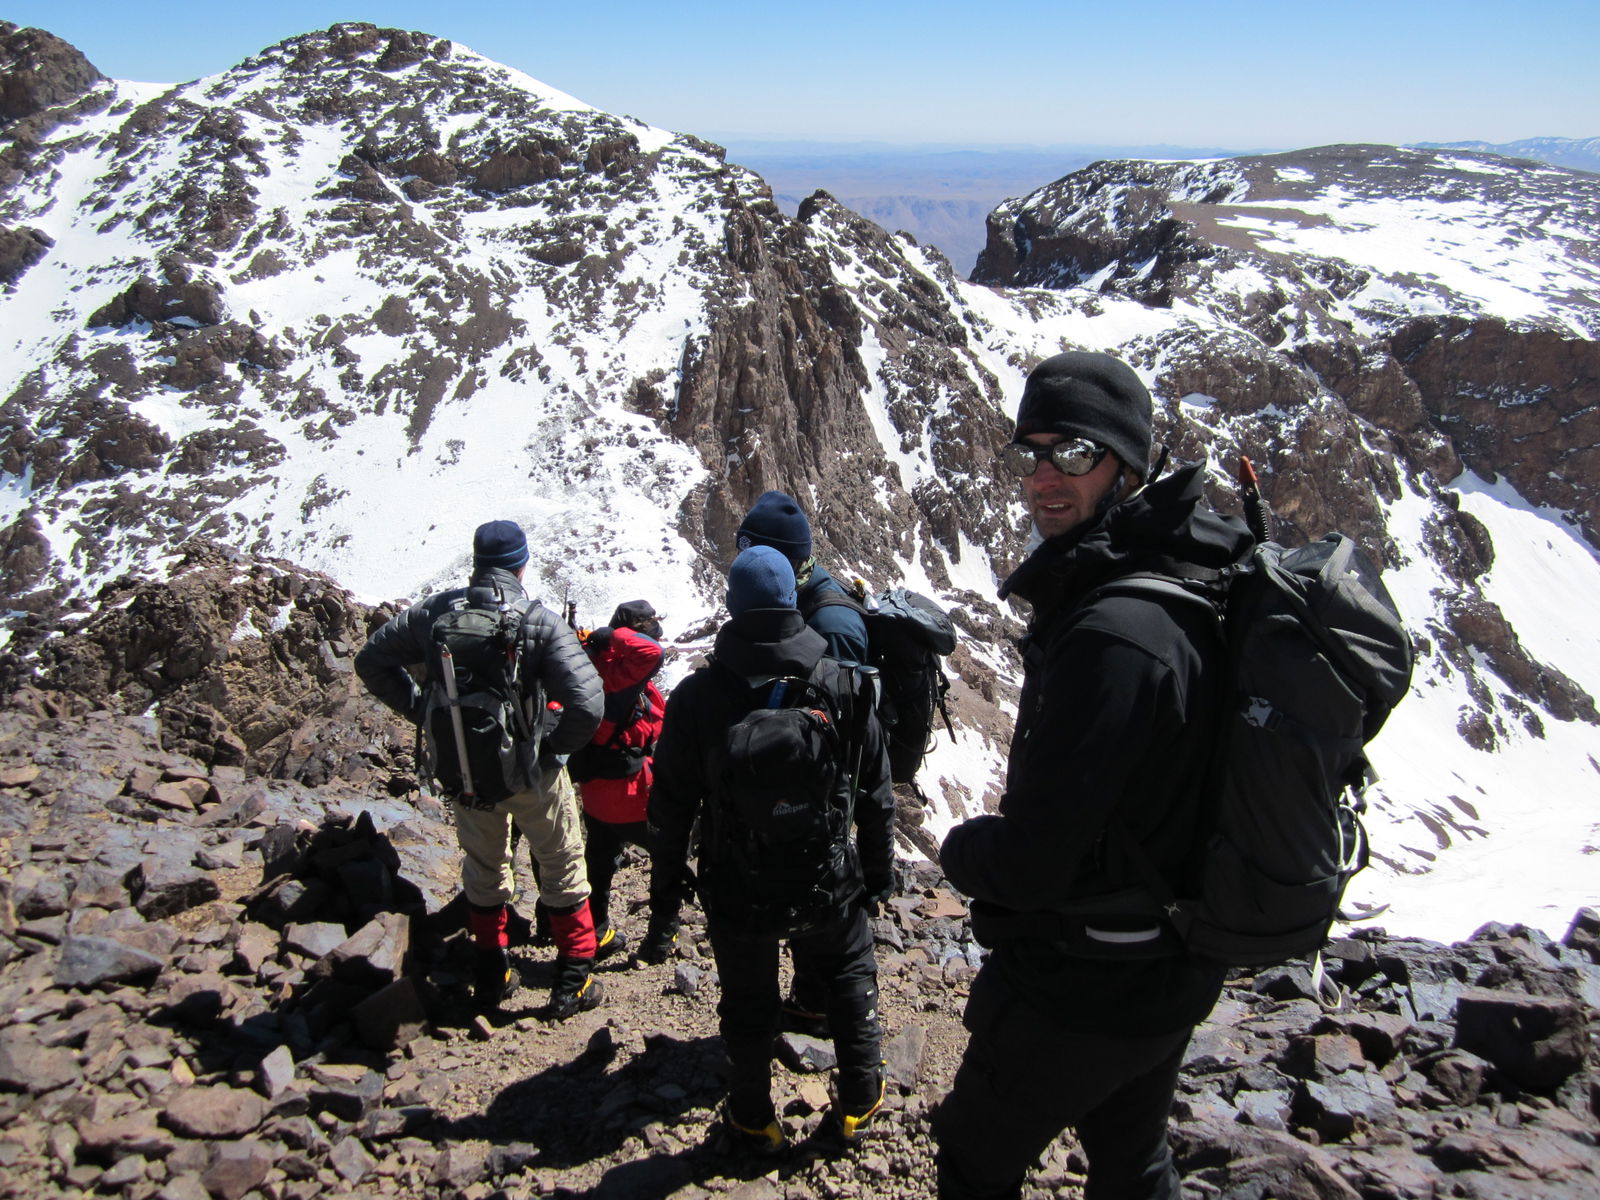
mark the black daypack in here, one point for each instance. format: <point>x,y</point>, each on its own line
<point>907,635</point>
<point>478,744</point>
<point>1316,659</point>
<point>778,844</point>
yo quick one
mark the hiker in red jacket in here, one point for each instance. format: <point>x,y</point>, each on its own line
<point>614,773</point>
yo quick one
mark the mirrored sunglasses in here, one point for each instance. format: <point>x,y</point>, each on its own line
<point>1075,456</point>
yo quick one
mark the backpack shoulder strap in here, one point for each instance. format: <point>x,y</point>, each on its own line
<point>829,598</point>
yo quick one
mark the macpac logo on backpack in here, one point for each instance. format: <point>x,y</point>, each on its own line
<point>479,742</point>
<point>778,820</point>
<point>907,634</point>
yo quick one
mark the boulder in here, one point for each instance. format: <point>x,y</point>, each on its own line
<point>165,886</point>
<point>1536,1041</point>
<point>215,1112</point>
<point>238,1167</point>
<point>28,1066</point>
<point>88,962</point>
<point>391,1017</point>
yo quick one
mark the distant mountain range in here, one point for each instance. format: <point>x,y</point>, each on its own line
<point>1582,154</point>
<point>942,195</point>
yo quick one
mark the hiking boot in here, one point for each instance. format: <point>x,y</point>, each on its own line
<point>857,1103</point>
<point>657,945</point>
<point>492,978</point>
<point>608,942</point>
<point>574,990</point>
<point>766,1136</point>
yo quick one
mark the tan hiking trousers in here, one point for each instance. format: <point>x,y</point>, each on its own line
<point>548,818</point>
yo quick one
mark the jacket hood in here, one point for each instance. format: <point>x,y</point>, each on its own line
<point>763,643</point>
<point>1161,525</point>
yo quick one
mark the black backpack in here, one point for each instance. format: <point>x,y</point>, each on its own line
<point>907,635</point>
<point>778,854</point>
<point>1317,657</point>
<point>479,740</point>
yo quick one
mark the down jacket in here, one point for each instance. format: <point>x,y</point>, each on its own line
<point>626,664</point>
<point>552,660</point>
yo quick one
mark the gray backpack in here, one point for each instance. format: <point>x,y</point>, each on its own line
<point>478,736</point>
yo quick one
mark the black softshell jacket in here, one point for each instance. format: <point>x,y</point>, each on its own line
<point>756,646</point>
<point>552,659</point>
<point>1118,715</point>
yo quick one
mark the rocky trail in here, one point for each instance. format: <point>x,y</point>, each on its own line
<point>216,984</point>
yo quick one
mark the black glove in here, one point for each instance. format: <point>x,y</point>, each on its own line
<point>877,895</point>
<point>549,762</point>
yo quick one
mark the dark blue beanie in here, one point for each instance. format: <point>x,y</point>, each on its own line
<point>760,577</point>
<point>776,520</point>
<point>499,544</point>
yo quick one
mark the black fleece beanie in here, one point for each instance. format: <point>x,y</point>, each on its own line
<point>1091,396</point>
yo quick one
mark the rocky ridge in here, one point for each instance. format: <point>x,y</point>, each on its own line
<point>330,305</point>
<point>217,984</point>
<point>232,965</point>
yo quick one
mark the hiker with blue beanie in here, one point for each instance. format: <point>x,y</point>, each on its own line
<point>773,752</point>
<point>776,520</point>
<point>559,697</point>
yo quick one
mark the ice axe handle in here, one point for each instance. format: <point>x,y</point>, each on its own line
<point>447,669</point>
<point>1256,514</point>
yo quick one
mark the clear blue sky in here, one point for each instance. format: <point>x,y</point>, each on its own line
<point>1237,73</point>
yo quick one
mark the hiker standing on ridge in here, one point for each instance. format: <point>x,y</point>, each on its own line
<point>1082,1021</point>
<point>776,520</point>
<point>553,668</point>
<point>773,752</point>
<point>614,771</point>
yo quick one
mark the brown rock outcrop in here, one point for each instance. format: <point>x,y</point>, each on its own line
<point>39,71</point>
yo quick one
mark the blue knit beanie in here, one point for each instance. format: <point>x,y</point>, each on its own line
<point>760,577</point>
<point>776,520</point>
<point>499,544</point>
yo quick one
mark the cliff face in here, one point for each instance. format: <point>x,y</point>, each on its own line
<point>372,242</point>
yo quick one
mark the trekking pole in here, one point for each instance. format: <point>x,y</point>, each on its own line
<point>1256,513</point>
<point>447,668</point>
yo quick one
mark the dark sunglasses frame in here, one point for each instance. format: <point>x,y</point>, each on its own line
<point>1075,456</point>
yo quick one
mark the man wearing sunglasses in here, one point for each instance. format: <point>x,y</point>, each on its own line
<point>1081,1020</point>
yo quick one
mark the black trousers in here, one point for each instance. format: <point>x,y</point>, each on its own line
<point>602,846</point>
<point>1026,1077</point>
<point>840,955</point>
